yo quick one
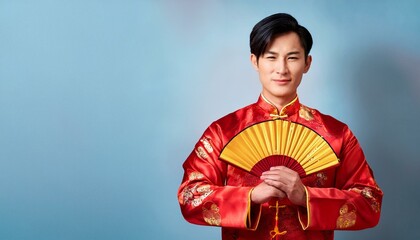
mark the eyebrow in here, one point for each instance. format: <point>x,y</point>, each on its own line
<point>288,54</point>
<point>271,52</point>
<point>293,53</point>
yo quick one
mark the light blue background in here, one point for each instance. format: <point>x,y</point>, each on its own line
<point>102,101</point>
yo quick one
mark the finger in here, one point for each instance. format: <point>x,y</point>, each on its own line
<point>282,169</point>
<point>276,184</point>
<point>277,176</point>
<point>281,194</point>
<point>276,192</point>
<point>278,168</point>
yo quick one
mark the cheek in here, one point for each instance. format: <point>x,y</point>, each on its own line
<point>298,71</point>
<point>265,69</point>
<point>264,75</point>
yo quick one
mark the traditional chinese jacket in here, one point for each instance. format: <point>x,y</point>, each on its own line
<point>214,192</point>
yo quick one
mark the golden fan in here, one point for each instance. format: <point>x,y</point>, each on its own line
<point>279,143</point>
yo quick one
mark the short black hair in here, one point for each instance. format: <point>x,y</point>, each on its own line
<point>265,30</point>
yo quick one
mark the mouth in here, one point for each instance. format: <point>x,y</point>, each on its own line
<point>281,81</point>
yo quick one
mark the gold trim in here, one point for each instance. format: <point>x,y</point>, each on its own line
<point>248,210</point>
<point>308,212</point>
<point>248,220</point>
<point>267,101</point>
<point>281,113</point>
<point>283,109</point>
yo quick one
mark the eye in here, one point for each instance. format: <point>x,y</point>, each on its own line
<point>293,58</point>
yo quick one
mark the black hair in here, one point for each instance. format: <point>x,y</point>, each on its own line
<point>265,30</point>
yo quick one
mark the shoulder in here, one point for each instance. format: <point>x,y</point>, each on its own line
<point>336,132</point>
<point>330,123</point>
<point>234,122</point>
<point>240,115</point>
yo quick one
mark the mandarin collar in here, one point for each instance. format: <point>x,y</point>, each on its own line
<point>288,110</point>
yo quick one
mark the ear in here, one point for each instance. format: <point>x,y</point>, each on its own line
<point>308,63</point>
<point>254,61</point>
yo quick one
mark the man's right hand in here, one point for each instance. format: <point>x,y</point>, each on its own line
<point>263,193</point>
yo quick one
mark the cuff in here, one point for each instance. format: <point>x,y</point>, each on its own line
<point>253,213</point>
<point>304,213</point>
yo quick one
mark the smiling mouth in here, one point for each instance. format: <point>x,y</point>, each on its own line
<point>281,81</point>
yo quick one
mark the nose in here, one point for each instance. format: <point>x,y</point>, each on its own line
<point>281,67</point>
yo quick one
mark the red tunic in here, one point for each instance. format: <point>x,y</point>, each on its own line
<point>215,193</point>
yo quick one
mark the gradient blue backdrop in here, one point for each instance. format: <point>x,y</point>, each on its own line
<point>102,101</point>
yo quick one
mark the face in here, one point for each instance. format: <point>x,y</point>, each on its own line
<point>281,68</point>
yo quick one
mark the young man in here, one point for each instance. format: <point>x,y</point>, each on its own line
<point>279,204</point>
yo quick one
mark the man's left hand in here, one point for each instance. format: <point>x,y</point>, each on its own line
<point>288,181</point>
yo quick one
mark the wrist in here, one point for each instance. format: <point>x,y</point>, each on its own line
<point>304,198</point>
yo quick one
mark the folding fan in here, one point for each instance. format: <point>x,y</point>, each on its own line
<point>279,143</point>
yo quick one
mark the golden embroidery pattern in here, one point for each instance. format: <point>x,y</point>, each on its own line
<point>306,113</point>
<point>368,194</point>
<point>347,217</point>
<point>186,195</point>
<point>207,145</point>
<point>275,232</point>
<point>195,195</point>
<point>195,176</point>
<point>201,153</point>
<point>211,213</point>
<point>321,178</point>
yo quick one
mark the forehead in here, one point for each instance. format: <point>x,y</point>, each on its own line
<point>285,42</point>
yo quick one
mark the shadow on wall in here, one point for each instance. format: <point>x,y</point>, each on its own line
<point>386,86</point>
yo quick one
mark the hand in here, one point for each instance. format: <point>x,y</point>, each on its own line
<point>263,193</point>
<point>288,181</point>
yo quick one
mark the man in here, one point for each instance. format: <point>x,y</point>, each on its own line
<point>279,204</point>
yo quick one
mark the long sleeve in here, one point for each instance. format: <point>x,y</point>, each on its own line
<point>355,200</point>
<point>216,193</point>
<point>203,195</point>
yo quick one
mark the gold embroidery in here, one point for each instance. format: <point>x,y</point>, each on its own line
<point>186,196</point>
<point>368,194</point>
<point>207,145</point>
<point>203,192</point>
<point>195,176</point>
<point>321,178</point>
<point>203,189</point>
<point>211,213</point>
<point>375,206</point>
<point>201,153</point>
<point>195,195</point>
<point>347,218</point>
<point>306,113</point>
<point>275,232</point>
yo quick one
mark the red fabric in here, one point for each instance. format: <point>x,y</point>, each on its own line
<point>277,160</point>
<point>215,193</point>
